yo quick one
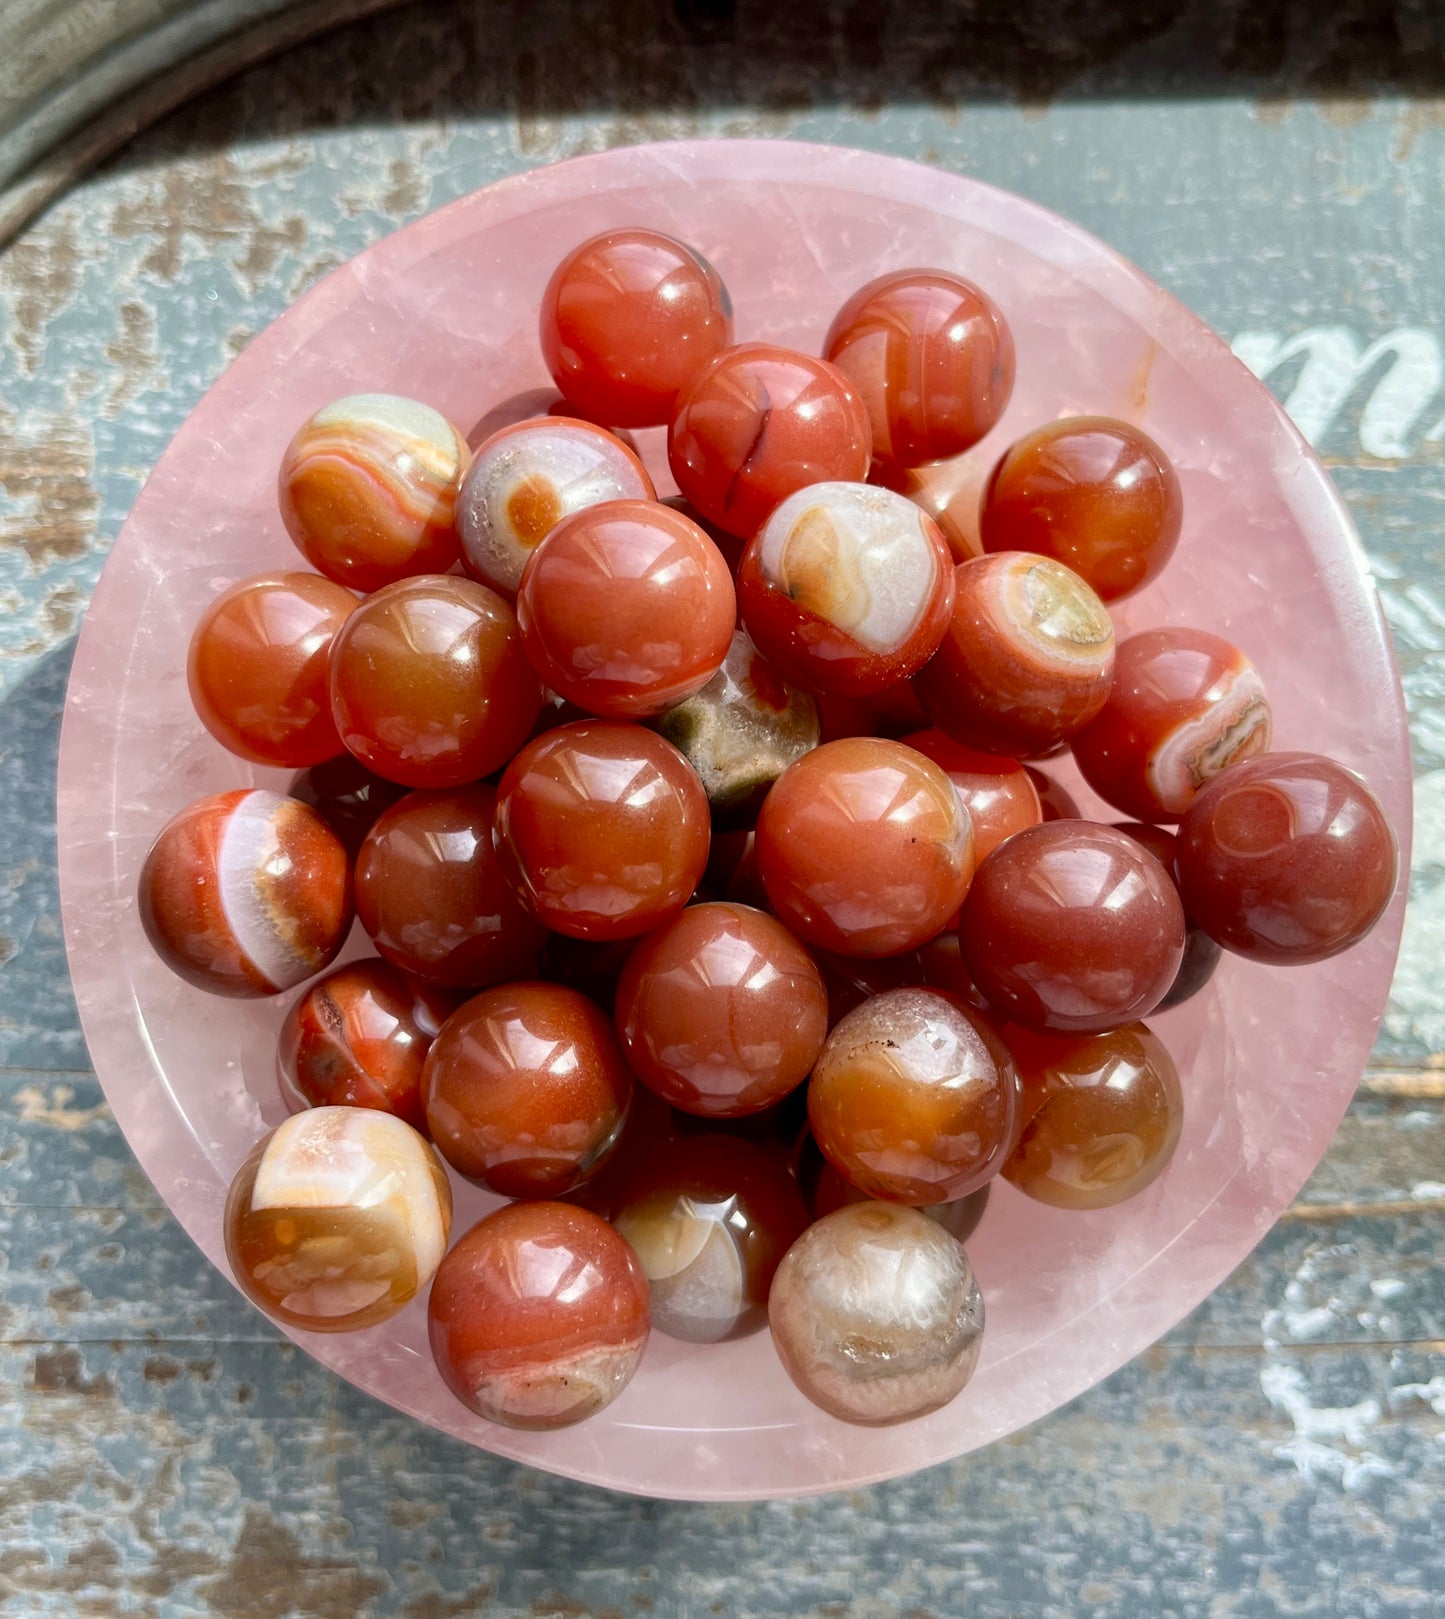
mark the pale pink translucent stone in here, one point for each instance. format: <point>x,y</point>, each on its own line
<point>1268,559</point>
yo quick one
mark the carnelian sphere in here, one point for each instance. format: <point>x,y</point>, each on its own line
<point>947,491</point>
<point>1201,954</point>
<point>846,589</point>
<point>539,1316</point>
<point>932,359</point>
<point>531,405</point>
<point>1026,660</point>
<point>998,793</point>
<point>914,1098</point>
<point>525,1089</point>
<point>825,1189</point>
<point>896,711</point>
<point>721,1011</point>
<point>1098,495</point>
<point>346,795</point>
<point>710,1223</point>
<point>257,667</point>
<point>358,1038</point>
<point>1100,1117</point>
<point>1287,858</point>
<point>864,848</point>
<point>1074,927</point>
<point>627,608</point>
<point>605,826</point>
<point>246,893</point>
<point>525,479</point>
<point>368,490</point>
<point>627,319</point>
<point>432,893</point>
<point>1184,704</point>
<point>430,685</point>
<point>1056,803</point>
<point>759,423</point>
<point>338,1219</point>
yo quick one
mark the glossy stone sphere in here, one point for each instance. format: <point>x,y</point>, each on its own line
<point>825,1189</point>
<point>864,848</point>
<point>346,795</point>
<point>526,1090</point>
<point>358,1038</point>
<point>1027,658</point>
<point>846,588</point>
<point>246,893</point>
<point>338,1219</point>
<point>1183,706</point>
<point>368,490</point>
<point>997,792</point>
<point>525,479</point>
<point>627,608</point>
<point>627,319</point>
<point>1098,495</point>
<point>876,1314</point>
<point>1101,1115</point>
<point>895,712</point>
<point>914,1098</point>
<point>432,893</point>
<point>1074,927</point>
<point>1287,858</point>
<point>932,359</point>
<point>257,667</point>
<point>758,423</point>
<point>430,685</point>
<point>1056,803</point>
<point>533,404</point>
<point>1201,954</point>
<point>721,1011</point>
<point>605,826</point>
<point>945,493</point>
<point>539,1316</point>
<point>710,1225</point>
<point>741,731</point>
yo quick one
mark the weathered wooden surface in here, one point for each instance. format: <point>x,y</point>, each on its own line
<point>1283,1451</point>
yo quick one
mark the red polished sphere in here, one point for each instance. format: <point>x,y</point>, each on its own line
<point>539,1316</point>
<point>605,826</point>
<point>1184,705</point>
<point>710,1223</point>
<point>914,1098</point>
<point>1074,927</point>
<point>359,1037</point>
<point>846,589</point>
<point>721,1011</point>
<point>627,608</point>
<point>1287,858</point>
<point>864,848</point>
<point>1201,954</point>
<point>1055,803</point>
<point>998,793</point>
<point>1098,495</point>
<point>525,1089</point>
<point>932,358</point>
<point>1100,1116</point>
<point>1027,658</point>
<point>430,685</point>
<point>346,795</point>
<point>760,423</point>
<point>947,491</point>
<point>627,319</point>
<point>246,893</point>
<point>825,1189</point>
<point>257,667</point>
<point>896,712</point>
<point>432,893</point>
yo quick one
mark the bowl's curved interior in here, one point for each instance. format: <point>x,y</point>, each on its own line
<point>445,311</point>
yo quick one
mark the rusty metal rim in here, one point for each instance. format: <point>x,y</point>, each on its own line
<point>59,139</point>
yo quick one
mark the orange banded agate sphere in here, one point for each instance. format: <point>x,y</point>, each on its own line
<point>246,893</point>
<point>368,490</point>
<point>257,669</point>
<point>430,685</point>
<point>932,359</point>
<point>914,1098</point>
<point>539,1316</point>
<point>864,848</point>
<point>721,1011</point>
<point>846,589</point>
<point>338,1219</point>
<point>526,1091</point>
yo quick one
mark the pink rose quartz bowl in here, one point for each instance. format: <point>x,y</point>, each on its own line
<point>445,311</point>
